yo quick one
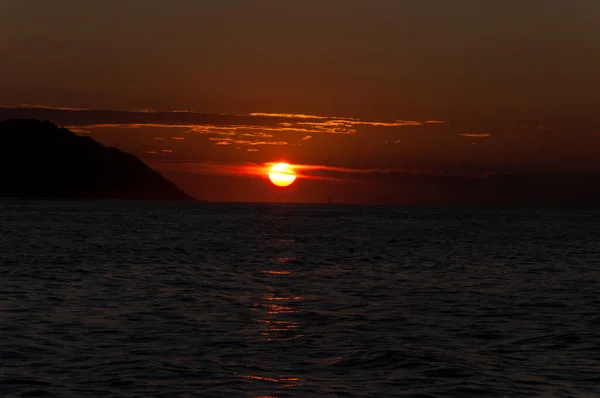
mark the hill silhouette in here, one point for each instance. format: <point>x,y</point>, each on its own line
<point>41,160</point>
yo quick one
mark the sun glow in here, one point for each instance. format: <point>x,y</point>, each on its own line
<point>282,174</point>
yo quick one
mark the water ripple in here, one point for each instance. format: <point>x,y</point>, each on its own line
<point>129,299</point>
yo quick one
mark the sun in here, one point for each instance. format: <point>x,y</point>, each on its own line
<point>282,174</point>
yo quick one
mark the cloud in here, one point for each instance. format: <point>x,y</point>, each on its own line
<point>159,152</point>
<point>251,150</point>
<point>477,135</point>
<point>348,173</point>
<point>288,115</point>
<point>58,108</point>
<point>178,138</point>
<point>80,131</point>
<point>214,168</point>
<point>212,131</point>
<point>262,135</point>
<point>245,142</point>
<point>315,167</point>
<point>306,137</point>
<point>203,123</point>
<point>262,142</point>
<point>317,172</point>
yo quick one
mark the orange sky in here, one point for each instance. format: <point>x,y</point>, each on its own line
<point>364,94</point>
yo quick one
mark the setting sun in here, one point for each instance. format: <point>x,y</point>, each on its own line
<point>282,174</point>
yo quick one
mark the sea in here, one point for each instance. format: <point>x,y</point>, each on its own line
<point>156,299</point>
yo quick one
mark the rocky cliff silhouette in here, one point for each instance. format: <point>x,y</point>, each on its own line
<point>41,160</point>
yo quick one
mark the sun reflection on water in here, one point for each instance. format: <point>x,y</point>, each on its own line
<point>273,322</point>
<point>278,305</point>
<point>276,315</point>
<point>281,260</point>
<point>272,272</point>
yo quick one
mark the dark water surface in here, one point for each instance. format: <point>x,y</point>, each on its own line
<point>237,300</point>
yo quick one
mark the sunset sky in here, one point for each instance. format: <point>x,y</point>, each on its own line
<point>365,96</point>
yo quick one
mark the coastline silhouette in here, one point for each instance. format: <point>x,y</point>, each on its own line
<point>41,160</point>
